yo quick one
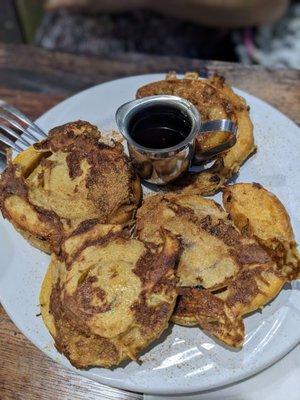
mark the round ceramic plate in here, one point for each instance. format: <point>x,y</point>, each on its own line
<point>183,360</point>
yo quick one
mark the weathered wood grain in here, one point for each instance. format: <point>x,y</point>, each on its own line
<point>29,69</point>
<point>34,80</point>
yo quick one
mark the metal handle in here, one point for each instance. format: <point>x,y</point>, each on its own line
<point>224,125</point>
<point>218,125</point>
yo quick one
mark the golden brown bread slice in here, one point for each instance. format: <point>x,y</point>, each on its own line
<point>108,296</point>
<point>214,251</point>
<point>220,313</point>
<point>260,214</point>
<point>48,190</point>
<point>201,307</point>
<point>214,100</point>
<point>214,256</point>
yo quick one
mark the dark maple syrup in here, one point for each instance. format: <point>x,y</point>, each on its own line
<point>159,127</point>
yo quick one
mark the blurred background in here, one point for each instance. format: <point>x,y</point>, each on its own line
<point>265,32</point>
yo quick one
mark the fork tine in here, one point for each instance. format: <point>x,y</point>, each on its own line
<point>10,143</point>
<point>15,135</point>
<point>16,125</point>
<point>22,117</point>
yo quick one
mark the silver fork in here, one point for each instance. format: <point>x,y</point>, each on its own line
<point>17,126</point>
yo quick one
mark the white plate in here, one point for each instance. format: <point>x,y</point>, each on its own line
<point>184,360</point>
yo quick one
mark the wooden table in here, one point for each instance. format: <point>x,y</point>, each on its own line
<point>34,80</point>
